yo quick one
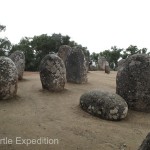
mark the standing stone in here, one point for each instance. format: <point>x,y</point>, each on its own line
<point>19,59</point>
<point>107,68</point>
<point>76,66</point>
<point>8,78</point>
<point>133,82</point>
<point>120,63</point>
<point>101,63</point>
<point>64,51</point>
<point>105,105</point>
<point>52,73</point>
<point>146,143</point>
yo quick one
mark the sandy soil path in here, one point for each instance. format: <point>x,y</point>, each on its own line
<point>35,113</point>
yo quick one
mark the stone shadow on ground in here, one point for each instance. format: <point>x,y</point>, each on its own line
<point>16,98</point>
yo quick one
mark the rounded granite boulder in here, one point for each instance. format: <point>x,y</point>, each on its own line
<point>18,58</point>
<point>52,73</point>
<point>133,82</point>
<point>105,105</point>
<point>8,78</point>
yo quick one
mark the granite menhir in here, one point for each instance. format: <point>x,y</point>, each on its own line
<point>18,58</point>
<point>64,51</point>
<point>133,82</point>
<point>8,78</point>
<point>52,73</point>
<point>76,66</point>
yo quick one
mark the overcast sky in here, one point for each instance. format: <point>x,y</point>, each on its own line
<point>96,24</point>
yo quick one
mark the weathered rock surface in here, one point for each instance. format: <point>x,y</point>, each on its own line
<point>52,73</point>
<point>19,59</point>
<point>107,68</point>
<point>104,105</point>
<point>120,63</point>
<point>101,63</point>
<point>8,78</point>
<point>133,82</point>
<point>76,66</point>
<point>146,143</point>
<point>64,51</point>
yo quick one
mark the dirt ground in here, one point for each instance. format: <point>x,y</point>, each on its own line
<point>35,113</point>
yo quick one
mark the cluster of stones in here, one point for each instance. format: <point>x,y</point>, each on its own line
<point>52,73</point>
<point>64,51</point>
<point>19,59</point>
<point>105,105</point>
<point>133,82</point>
<point>8,78</point>
<point>76,66</point>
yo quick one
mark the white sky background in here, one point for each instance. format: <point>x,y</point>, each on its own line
<point>96,24</point>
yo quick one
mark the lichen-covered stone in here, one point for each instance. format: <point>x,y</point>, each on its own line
<point>105,105</point>
<point>146,143</point>
<point>76,66</point>
<point>52,73</point>
<point>64,51</point>
<point>18,58</point>
<point>133,82</point>
<point>8,78</point>
<point>107,68</point>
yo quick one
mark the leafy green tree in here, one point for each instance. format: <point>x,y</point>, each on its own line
<point>115,55</point>
<point>94,57</point>
<point>112,56</point>
<point>25,46</point>
<point>5,44</point>
<point>132,50</point>
<point>124,55</point>
<point>37,47</point>
<point>44,44</point>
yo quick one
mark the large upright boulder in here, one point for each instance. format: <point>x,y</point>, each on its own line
<point>76,66</point>
<point>18,58</point>
<point>8,78</point>
<point>101,63</point>
<point>133,82</point>
<point>105,105</point>
<point>52,73</point>
<point>64,51</point>
<point>107,68</point>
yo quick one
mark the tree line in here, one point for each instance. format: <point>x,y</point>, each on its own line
<point>114,54</point>
<point>35,48</point>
